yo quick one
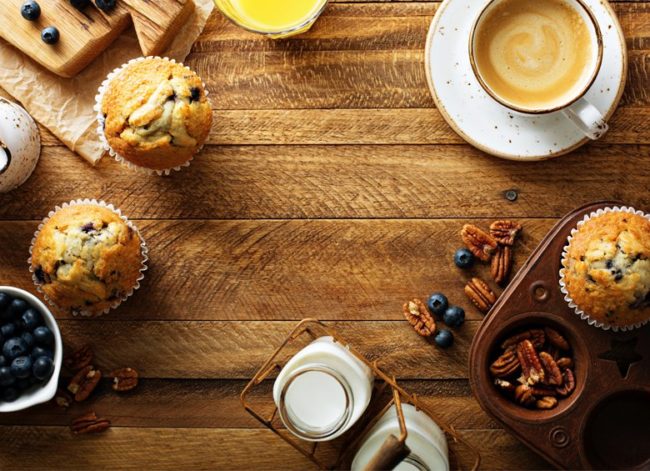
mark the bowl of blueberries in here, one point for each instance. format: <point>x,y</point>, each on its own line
<point>31,351</point>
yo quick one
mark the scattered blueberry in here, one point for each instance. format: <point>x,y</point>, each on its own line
<point>31,319</point>
<point>30,10</point>
<point>105,5</point>
<point>10,394</point>
<point>463,258</point>
<point>43,335</point>
<point>13,348</point>
<point>41,352</point>
<point>21,367</point>
<point>50,35</point>
<point>43,368</point>
<point>8,330</point>
<point>28,338</point>
<point>6,378</point>
<point>437,304</point>
<point>454,316</point>
<point>80,4</point>
<point>444,338</point>
<point>15,309</point>
<point>5,299</point>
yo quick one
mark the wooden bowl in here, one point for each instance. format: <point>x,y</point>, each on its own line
<point>605,422</point>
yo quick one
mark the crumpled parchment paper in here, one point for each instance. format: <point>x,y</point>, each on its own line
<point>65,106</point>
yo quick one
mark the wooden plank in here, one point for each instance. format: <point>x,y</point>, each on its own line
<point>341,182</point>
<point>200,448</point>
<point>288,270</point>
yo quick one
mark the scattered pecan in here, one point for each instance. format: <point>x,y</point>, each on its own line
<point>84,383</point>
<point>89,423</point>
<point>480,294</point>
<point>79,359</point>
<point>505,232</point>
<point>417,315</point>
<point>124,379</point>
<point>547,402</point>
<point>569,383</point>
<point>506,365</point>
<point>536,336</point>
<point>479,242</point>
<point>564,363</point>
<point>63,398</point>
<point>501,264</point>
<point>524,395</point>
<point>531,366</point>
<point>556,339</point>
<point>552,373</point>
<point>504,385</point>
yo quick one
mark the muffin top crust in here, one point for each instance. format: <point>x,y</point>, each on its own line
<point>157,114</point>
<point>607,268</point>
<point>86,258</point>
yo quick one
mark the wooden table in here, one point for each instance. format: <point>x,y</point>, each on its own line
<point>331,188</point>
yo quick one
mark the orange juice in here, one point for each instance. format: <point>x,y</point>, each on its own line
<point>278,18</point>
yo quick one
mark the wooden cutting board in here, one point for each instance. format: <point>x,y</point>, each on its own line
<point>85,34</point>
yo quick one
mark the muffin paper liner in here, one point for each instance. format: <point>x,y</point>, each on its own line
<point>100,120</point>
<point>564,262</point>
<point>144,250</point>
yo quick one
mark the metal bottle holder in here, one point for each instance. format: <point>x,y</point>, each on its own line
<point>337,454</point>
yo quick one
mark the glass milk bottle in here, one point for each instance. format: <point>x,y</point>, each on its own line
<point>322,390</point>
<point>425,439</point>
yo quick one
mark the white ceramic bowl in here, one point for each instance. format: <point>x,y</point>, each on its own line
<point>37,394</point>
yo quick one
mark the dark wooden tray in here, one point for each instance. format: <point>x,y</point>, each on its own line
<point>605,423</point>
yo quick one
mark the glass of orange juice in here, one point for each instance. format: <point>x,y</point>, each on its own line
<point>274,18</point>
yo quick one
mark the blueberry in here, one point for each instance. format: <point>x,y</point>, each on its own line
<point>41,352</point>
<point>31,319</point>
<point>5,299</point>
<point>437,304</point>
<point>43,336</point>
<point>3,360</point>
<point>30,10</point>
<point>50,35</point>
<point>23,384</point>
<point>13,348</point>
<point>454,316</point>
<point>15,309</point>
<point>8,330</point>
<point>463,258</point>
<point>28,338</point>
<point>21,367</point>
<point>444,338</point>
<point>6,378</point>
<point>195,94</point>
<point>80,4</point>
<point>43,368</point>
<point>10,394</point>
<point>105,5</point>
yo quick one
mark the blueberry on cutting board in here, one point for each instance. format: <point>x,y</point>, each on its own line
<point>105,5</point>
<point>30,10</point>
<point>50,35</point>
<point>80,4</point>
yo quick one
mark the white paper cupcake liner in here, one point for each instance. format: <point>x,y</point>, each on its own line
<point>101,120</point>
<point>143,250</point>
<point>564,262</point>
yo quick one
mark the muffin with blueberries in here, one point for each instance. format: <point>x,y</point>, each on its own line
<point>154,114</point>
<point>87,259</point>
<point>606,269</point>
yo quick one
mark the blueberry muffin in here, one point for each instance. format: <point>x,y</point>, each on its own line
<point>607,269</point>
<point>156,113</point>
<point>86,259</point>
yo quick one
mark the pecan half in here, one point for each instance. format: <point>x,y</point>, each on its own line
<point>556,339</point>
<point>506,365</point>
<point>79,359</point>
<point>531,366</point>
<point>63,398</point>
<point>417,315</point>
<point>479,242</point>
<point>524,395</point>
<point>480,294</point>
<point>124,379</point>
<point>89,423</point>
<point>564,363</point>
<point>547,402</point>
<point>552,373</point>
<point>501,264</point>
<point>569,383</point>
<point>84,383</point>
<point>504,385</point>
<point>505,232</point>
<point>536,336</point>
<point>542,391</point>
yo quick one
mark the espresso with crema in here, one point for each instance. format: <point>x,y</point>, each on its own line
<point>534,54</point>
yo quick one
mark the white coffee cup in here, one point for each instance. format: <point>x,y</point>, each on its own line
<point>574,106</point>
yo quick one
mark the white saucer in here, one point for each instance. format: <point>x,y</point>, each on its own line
<point>488,125</point>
